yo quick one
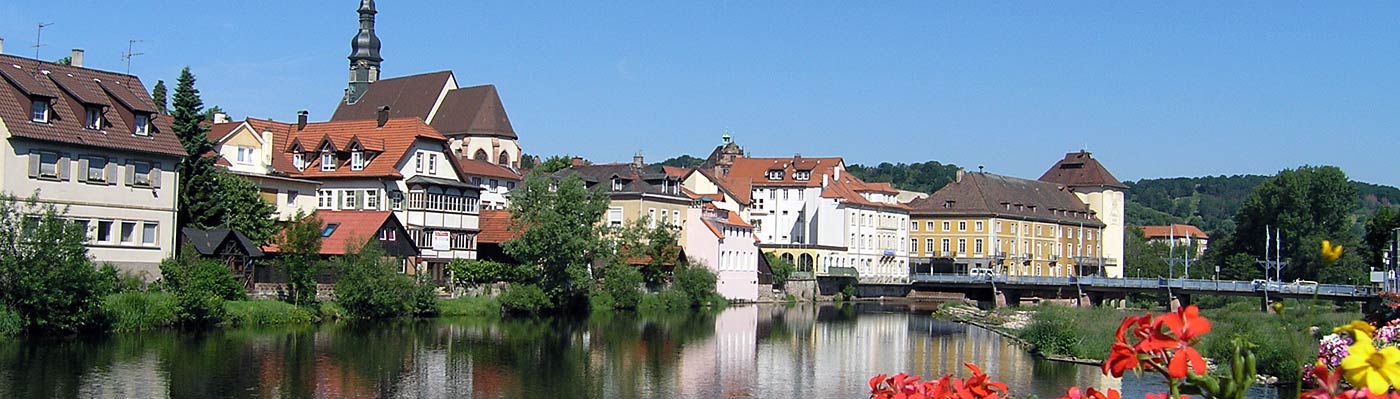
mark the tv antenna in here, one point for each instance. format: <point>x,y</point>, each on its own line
<point>127,56</point>
<point>38,34</point>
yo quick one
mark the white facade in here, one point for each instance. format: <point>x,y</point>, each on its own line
<point>727,247</point>
<point>1107,203</point>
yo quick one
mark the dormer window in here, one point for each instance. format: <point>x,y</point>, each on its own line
<point>40,111</point>
<point>616,184</point>
<point>775,174</point>
<point>299,160</point>
<point>802,175</point>
<point>94,118</point>
<point>327,160</point>
<point>142,125</point>
<point>357,159</point>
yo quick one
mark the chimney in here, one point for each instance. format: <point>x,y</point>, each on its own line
<point>797,156</point>
<point>2,45</point>
<point>77,58</point>
<point>637,160</point>
<point>220,117</point>
<point>959,176</point>
<point>577,161</point>
<point>301,119</point>
<point>267,146</point>
<point>383,115</point>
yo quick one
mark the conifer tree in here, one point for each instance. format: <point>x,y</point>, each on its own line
<point>198,183</point>
<point>158,95</point>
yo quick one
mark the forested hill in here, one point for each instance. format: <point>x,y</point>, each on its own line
<point>924,177</point>
<point>1211,202</point>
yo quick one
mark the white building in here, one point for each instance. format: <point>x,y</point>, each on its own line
<point>1094,185</point>
<point>246,148</point>
<point>92,142</point>
<point>722,241</point>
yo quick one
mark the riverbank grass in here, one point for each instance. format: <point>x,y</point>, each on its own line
<point>470,306</point>
<point>261,312</point>
<point>140,311</point>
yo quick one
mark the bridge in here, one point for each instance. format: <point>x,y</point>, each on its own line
<point>1001,290</point>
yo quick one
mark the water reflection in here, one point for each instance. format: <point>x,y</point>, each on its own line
<point>742,352</point>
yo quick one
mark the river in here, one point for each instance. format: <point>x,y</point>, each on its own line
<point>755,351</point>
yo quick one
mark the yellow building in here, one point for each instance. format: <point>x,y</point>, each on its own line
<point>990,224</point>
<point>636,192</point>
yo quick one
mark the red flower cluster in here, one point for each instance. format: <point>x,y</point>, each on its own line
<point>1075,393</point>
<point>1329,387</point>
<point>1145,342</point>
<point>903,386</point>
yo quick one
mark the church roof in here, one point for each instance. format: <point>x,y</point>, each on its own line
<point>475,110</point>
<point>406,96</point>
<point>1080,169</point>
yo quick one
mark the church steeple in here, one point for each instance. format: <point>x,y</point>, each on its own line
<point>364,55</point>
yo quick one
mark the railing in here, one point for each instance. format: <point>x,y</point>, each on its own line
<point>1296,288</point>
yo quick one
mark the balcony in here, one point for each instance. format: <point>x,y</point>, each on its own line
<point>422,201</point>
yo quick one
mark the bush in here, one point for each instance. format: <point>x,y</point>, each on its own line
<point>602,301</point>
<point>200,287</point>
<point>45,274</point>
<point>524,299</point>
<point>266,312</point>
<point>472,273</point>
<point>697,283</point>
<point>331,311</point>
<point>622,283</point>
<point>140,311</point>
<point>422,299</point>
<point>471,306</point>
<point>369,287</point>
<point>667,300</point>
<point>10,323</point>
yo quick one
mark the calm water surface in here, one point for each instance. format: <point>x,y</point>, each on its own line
<point>758,351</point>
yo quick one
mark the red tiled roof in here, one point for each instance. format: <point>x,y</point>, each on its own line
<point>675,171</point>
<point>354,228</point>
<point>392,142</point>
<point>72,87</point>
<point>219,131</point>
<point>748,172</point>
<point>1175,230</point>
<point>848,189</point>
<point>495,227</point>
<point>1080,169</point>
<point>474,167</point>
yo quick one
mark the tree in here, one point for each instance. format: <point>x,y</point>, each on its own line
<point>556,163</point>
<point>560,233</point>
<point>66,60</point>
<point>1147,259</point>
<point>200,287</point>
<point>369,285</point>
<point>199,185</point>
<point>782,268</point>
<point>300,247</point>
<point>656,244</point>
<point>1380,233</point>
<point>683,161</point>
<point>45,273</point>
<point>472,273</point>
<point>1308,204</point>
<point>208,115</point>
<point>158,96</point>
<point>243,208</point>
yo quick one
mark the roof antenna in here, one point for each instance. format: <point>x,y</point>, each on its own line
<point>38,33</point>
<point>127,57</point>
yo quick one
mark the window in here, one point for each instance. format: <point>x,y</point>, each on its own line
<point>387,234</point>
<point>46,166</point>
<point>348,199</point>
<point>372,199</point>
<point>785,194</point>
<point>775,174</point>
<point>676,217</point>
<point>418,162</point>
<point>495,183</point>
<point>432,163</point>
<point>946,226</point>
<point>978,226</point>
<point>104,231</point>
<point>330,229</point>
<point>615,216</point>
<point>40,111</point>
<point>96,170</point>
<point>945,246</point>
<point>510,185</point>
<point>148,233</point>
<point>476,180</point>
<point>141,174</point>
<point>143,125</point>
<point>913,245</point>
<point>962,245</point>
<point>799,194</point>
<point>327,160</point>
<point>665,218</point>
<point>977,246</point>
<point>325,199</point>
<point>962,226</point>
<point>802,175</point>
<point>128,232</point>
<point>616,184</point>
<point>357,159</point>
<point>299,160</point>
<point>914,226</point>
<point>245,155</point>
<point>292,197</point>
<point>396,199</point>
<point>772,194</point>
<point>94,118</point>
<point>651,217</point>
<point>928,226</point>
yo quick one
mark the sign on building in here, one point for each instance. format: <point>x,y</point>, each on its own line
<point>442,240</point>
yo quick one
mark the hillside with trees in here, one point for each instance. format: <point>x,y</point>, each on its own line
<point>924,177</point>
<point>1211,202</point>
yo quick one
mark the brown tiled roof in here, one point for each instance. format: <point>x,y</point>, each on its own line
<point>748,172</point>
<point>495,227</point>
<point>392,142</point>
<point>848,189</point>
<point>122,93</point>
<point>406,96</point>
<point>474,167</point>
<point>986,194</point>
<point>473,110</point>
<point>676,171</point>
<point>219,131</point>
<point>1175,230</point>
<point>1080,169</point>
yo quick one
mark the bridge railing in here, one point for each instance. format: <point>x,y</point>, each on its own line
<point>1296,288</point>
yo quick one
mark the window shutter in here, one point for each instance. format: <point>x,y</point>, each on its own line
<point>155,175</point>
<point>110,172</point>
<point>83,170</point>
<point>33,165</point>
<point>64,165</point>
<point>360,198</point>
<point>130,175</point>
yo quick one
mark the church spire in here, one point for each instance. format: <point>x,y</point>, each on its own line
<point>364,55</point>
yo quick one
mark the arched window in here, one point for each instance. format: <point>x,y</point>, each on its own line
<point>481,156</point>
<point>504,159</point>
<point>804,263</point>
<point>787,257</point>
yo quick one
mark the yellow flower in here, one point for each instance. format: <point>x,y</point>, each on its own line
<point>1356,327</point>
<point>1367,367</point>
<point>1330,253</point>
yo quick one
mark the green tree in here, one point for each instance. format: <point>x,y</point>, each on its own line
<point>698,284</point>
<point>243,207</point>
<point>623,283</point>
<point>208,115</point>
<point>560,233</point>
<point>557,163</point>
<point>1308,204</point>
<point>472,273</point>
<point>199,183</point>
<point>158,94</point>
<point>200,287</point>
<point>782,268</point>
<point>45,273</point>
<point>683,161</point>
<point>369,286</point>
<point>658,245</point>
<point>300,247</point>
<point>1380,233</point>
<point>1146,259</point>
<point>66,60</point>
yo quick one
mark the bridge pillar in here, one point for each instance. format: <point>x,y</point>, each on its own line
<point>1007,298</point>
<point>1092,299</point>
<point>1179,301</point>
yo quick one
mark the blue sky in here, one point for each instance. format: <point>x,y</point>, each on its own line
<point>1153,89</point>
